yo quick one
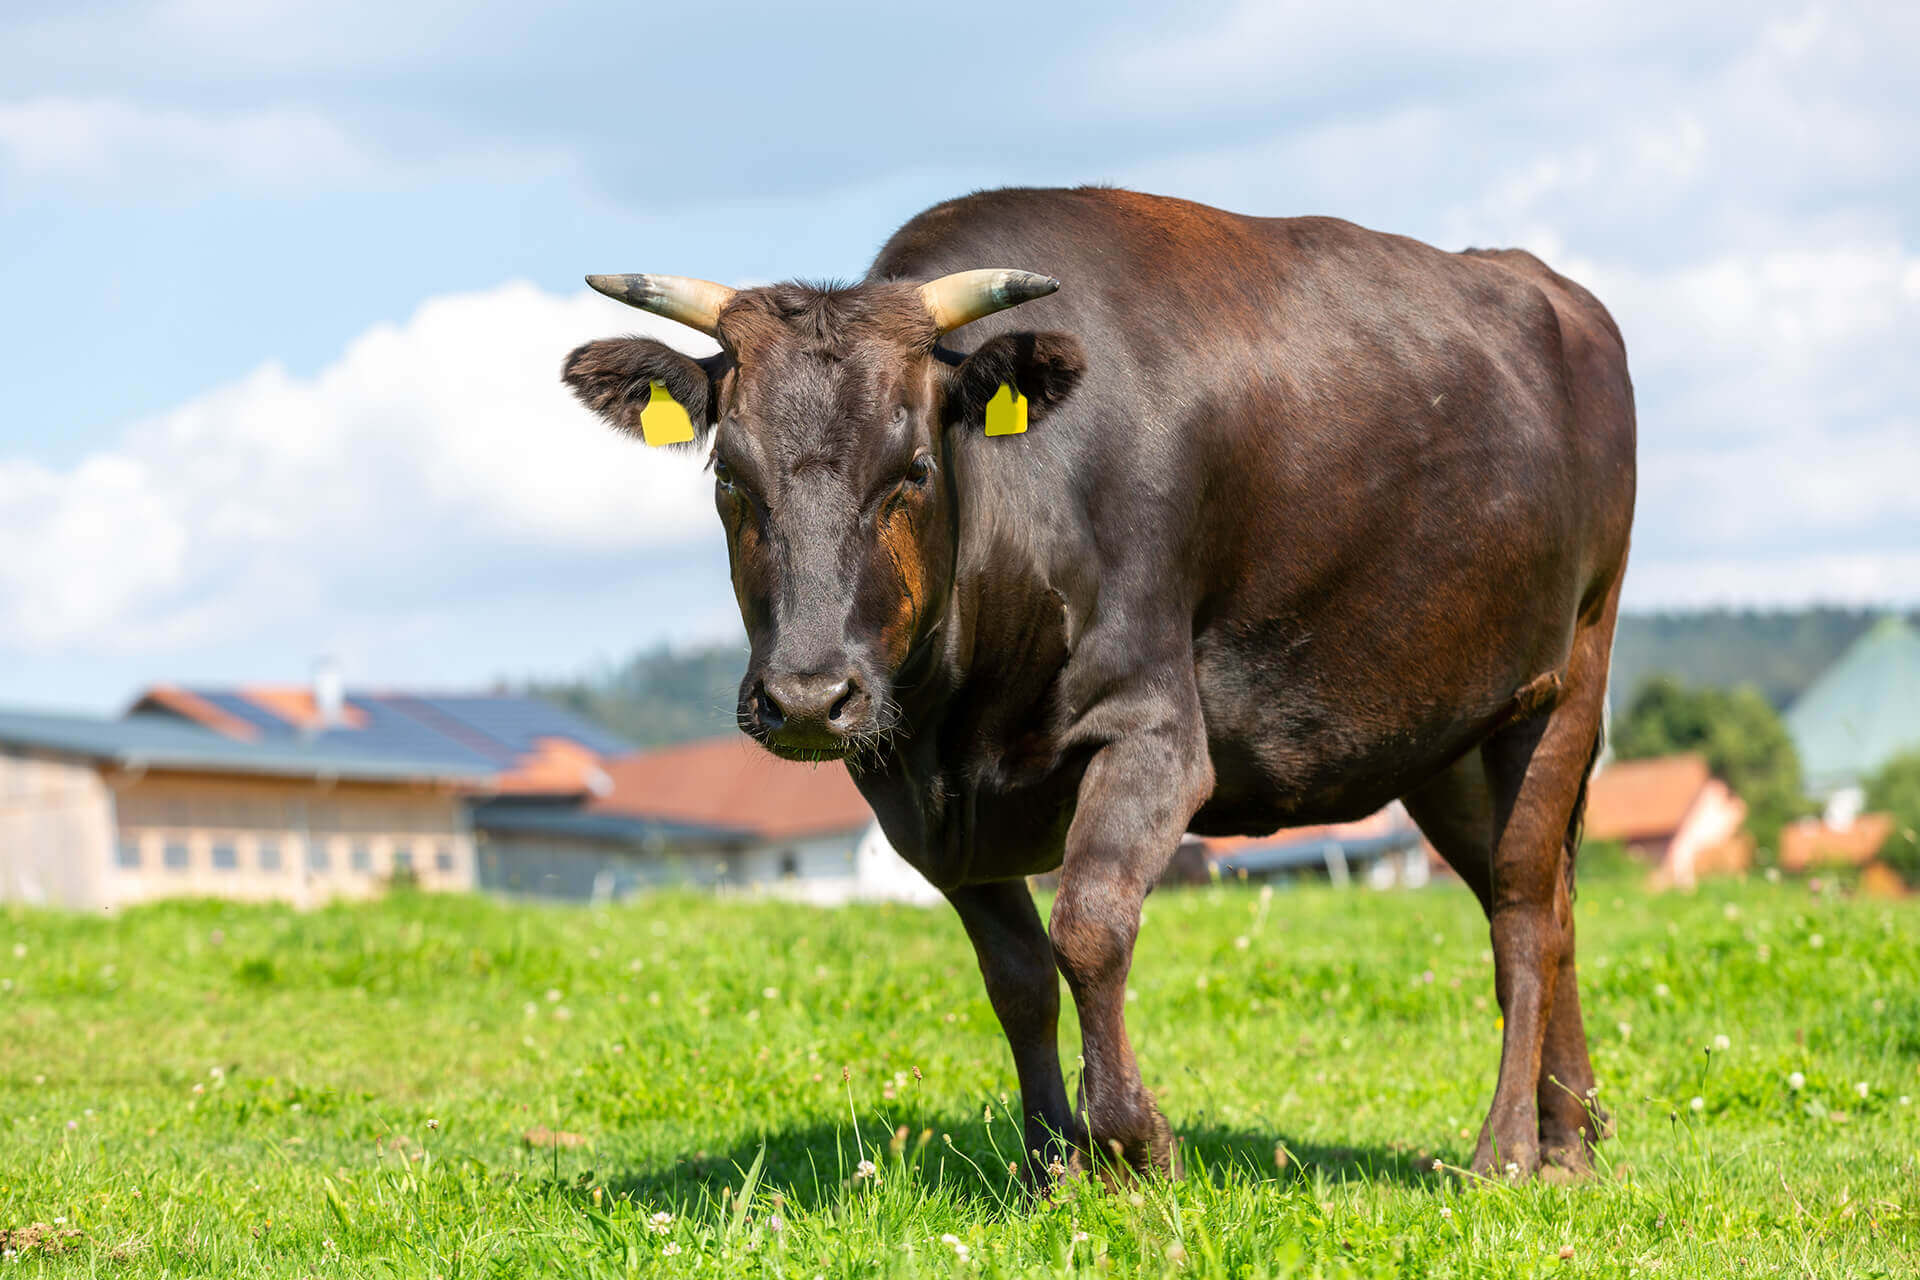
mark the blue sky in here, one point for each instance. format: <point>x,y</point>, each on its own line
<point>288,282</point>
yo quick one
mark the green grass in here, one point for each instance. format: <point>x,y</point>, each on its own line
<point>210,1089</point>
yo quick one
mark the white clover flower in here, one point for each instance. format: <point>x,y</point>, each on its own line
<point>1662,990</point>
<point>1721,1044</point>
<point>660,1223</point>
<point>1697,1103</point>
<point>1862,1089</point>
<point>669,1249</point>
<point>1815,941</point>
<point>1445,1213</point>
<point>1796,1081</point>
<point>866,1169</point>
<point>1081,1237</point>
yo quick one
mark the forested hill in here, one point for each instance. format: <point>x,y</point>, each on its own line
<point>1779,652</point>
<point>659,696</point>
<point>673,695</point>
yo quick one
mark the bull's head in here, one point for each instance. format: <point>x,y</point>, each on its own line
<point>835,408</point>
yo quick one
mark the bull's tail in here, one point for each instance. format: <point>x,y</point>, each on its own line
<point>1577,820</point>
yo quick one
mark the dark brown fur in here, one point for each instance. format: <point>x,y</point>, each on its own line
<point>1308,518</point>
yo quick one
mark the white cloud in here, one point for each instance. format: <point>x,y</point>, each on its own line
<point>408,470</point>
<point>103,144</point>
<point>1866,578</point>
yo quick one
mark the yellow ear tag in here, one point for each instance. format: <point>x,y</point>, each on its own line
<point>663,421</point>
<point>1006,412</point>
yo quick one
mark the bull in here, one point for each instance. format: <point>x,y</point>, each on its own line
<point>1304,518</point>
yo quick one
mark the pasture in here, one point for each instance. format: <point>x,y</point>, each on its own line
<point>455,1087</point>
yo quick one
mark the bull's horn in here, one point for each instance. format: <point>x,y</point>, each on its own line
<point>694,303</point>
<point>965,296</point>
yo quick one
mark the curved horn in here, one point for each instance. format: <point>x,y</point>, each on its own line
<point>965,296</point>
<point>694,303</point>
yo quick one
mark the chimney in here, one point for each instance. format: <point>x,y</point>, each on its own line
<point>329,694</point>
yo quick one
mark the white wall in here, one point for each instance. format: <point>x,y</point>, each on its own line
<point>56,832</point>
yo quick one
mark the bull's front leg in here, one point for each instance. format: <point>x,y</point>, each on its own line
<point>1135,801</point>
<point>1016,962</point>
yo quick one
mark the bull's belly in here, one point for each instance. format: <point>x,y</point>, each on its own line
<point>1262,785</point>
<point>1295,740</point>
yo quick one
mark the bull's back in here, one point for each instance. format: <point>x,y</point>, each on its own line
<point>1377,483</point>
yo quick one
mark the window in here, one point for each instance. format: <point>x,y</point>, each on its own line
<point>789,865</point>
<point>269,855</point>
<point>403,857</point>
<point>317,859</point>
<point>362,857</point>
<point>225,856</point>
<point>128,855</point>
<point>443,860</point>
<point>173,855</point>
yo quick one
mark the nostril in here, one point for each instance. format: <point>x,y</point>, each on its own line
<point>772,714</point>
<point>848,690</point>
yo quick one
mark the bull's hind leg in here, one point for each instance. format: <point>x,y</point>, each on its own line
<point>1455,811</point>
<point>1506,821</point>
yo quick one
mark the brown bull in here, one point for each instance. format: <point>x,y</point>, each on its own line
<point>1308,518</point>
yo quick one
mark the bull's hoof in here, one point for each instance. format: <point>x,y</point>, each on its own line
<point>1121,1160</point>
<point>1514,1158</point>
<point>1565,1157</point>
<point>1568,1137</point>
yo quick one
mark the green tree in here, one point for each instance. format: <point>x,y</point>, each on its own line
<point>1896,790</point>
<point>1745,743</point>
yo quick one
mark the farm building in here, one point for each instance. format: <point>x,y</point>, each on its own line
<point>1384,849</point>
<point>1674,814</point>
<point>718,813</point>
<point>99,813</point>
<point>521,745</point>
<point>308,793</point>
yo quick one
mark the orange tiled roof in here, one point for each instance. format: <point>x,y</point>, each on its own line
<point>294,704</point>
<point>1380,823</point>
<point>1644,799</point>
<point>732,782</point>
<point>556,766</point>
<point>1811,843</point>
<point>192,706</point>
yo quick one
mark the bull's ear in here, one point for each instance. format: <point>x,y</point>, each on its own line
<point>1043,367</point>
<point>614,377</point>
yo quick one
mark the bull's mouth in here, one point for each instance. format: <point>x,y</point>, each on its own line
<point>806,753</point>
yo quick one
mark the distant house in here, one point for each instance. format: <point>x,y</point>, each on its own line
<point>720,813</point>
<point>1812,845</point>
<point>1860,713</point>
<point>307,793</point>
<point>100,813</point>
<point>1385,849</point>
<point>523,745</point>
<point>1672,813</point>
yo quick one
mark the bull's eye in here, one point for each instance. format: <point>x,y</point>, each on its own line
<point>722,474</point>
<point>920,470</point>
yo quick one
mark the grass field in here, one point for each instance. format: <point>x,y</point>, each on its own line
<point>208,1089</point>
